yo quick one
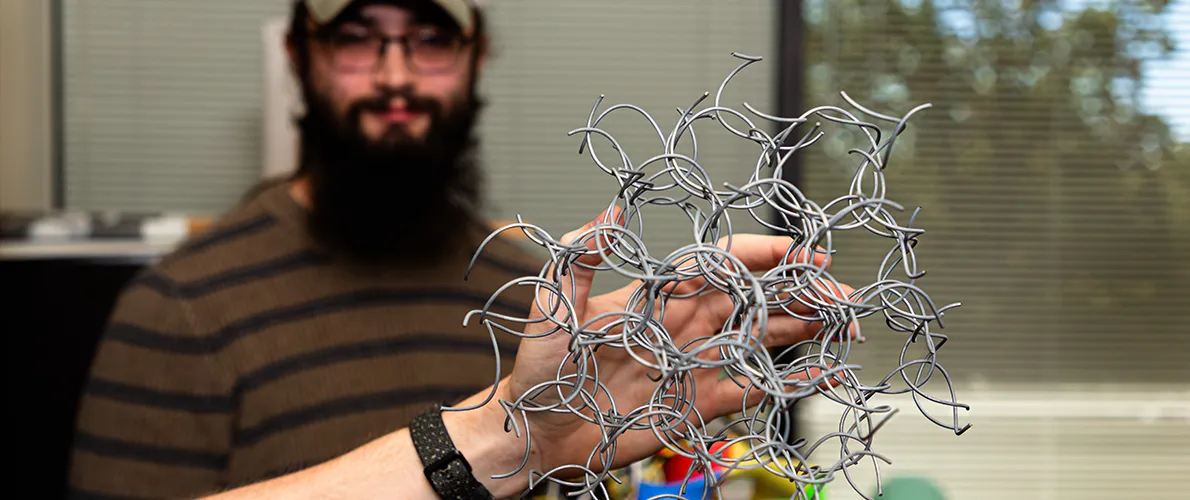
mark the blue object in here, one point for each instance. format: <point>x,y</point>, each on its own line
<point>693,489</point>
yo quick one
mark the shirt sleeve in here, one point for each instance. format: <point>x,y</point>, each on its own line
<point>156,414</point>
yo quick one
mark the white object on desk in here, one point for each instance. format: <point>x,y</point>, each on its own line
<point>166,229</point>
<point>132,250</point>
<point>61,227</point>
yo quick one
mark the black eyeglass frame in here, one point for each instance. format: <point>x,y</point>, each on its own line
<point>327,34</point>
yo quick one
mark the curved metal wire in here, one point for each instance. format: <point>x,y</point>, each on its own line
<point>802,289</point>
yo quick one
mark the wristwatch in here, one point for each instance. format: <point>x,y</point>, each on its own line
<point>447,470</point>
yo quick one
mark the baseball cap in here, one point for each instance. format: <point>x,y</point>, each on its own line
<point>325,10</point>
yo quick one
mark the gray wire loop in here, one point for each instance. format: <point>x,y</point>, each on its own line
<point>800,288</point>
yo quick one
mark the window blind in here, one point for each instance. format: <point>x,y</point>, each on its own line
<point>553,59</point>
<point>163,99</point>
<point>1053,186</point>
<point>161,102</point>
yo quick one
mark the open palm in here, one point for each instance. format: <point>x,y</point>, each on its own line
<point>631,381</point>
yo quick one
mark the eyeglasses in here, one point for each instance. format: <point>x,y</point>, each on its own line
<point>427,49</point>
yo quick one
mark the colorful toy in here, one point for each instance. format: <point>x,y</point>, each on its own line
<point>664,473</point>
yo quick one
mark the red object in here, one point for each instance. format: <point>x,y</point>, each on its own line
<point>677,466</point>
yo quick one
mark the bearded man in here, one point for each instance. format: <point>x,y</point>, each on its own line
<point>325,310</point>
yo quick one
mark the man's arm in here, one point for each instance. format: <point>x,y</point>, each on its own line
<point>388,467</point>
<point>156,413</point>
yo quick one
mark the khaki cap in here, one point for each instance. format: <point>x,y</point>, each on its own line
<point>325,10</point>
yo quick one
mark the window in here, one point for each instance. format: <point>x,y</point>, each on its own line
<point>1053,177</point>
<point>163,100</point>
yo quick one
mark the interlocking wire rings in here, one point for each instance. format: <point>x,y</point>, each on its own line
<point>799,288</point>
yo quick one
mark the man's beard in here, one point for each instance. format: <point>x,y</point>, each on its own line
<point>394,201</point>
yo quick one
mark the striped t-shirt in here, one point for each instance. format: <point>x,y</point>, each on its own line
<point>246,354</point>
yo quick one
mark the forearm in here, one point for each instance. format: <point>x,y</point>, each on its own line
<point>385,468</point>
<point>389,467</point>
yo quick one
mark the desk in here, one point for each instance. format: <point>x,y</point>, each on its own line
<point>94,250</point>
<point>61,295</point>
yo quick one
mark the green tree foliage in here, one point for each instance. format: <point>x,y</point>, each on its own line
<point>1054,205</point>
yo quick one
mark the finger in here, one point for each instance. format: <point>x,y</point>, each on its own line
<point>758,251</point>
<point>720,308</point>
<point>722,312</point>
<point>827,303</point>
<point>728,397</point>
<point>780,331</point>
<point>754,252</point>
<point>576,278</point>
<point>604,239</point>
<point>785,330</point>
<point>822,298</point>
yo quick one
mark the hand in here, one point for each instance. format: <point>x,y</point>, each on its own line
<point>390,463</point>
<point>563,438</point>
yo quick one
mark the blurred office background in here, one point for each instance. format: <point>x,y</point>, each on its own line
<point>1052,173</point>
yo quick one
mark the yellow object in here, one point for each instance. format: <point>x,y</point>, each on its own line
<point>765,484</point>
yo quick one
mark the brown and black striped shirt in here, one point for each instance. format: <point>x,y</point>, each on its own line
<point>246,354</point>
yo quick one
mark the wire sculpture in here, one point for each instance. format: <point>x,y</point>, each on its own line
<point>822,361</point>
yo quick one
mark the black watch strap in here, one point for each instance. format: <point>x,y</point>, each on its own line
<point>446,469</point>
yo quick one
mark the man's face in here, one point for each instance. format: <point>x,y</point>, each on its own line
<point>391,96</point>
<point>386,142</point>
